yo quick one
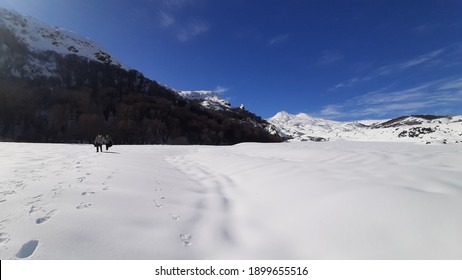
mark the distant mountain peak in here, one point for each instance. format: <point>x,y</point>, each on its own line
<point>420,129</point>
<point>283,115</point>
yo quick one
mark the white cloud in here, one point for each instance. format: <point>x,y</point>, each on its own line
<point>426,28</point>
<point>421,59</point>
<point>183,30</point>
<point>441,57</point>
<point>192,29</point>
<point>455,84</point>
<point>330,57</point>
<point>279,39</point>
<point>331,111</point>
<point>166,19</point>
<point>433,96</point>
<point>176,4</point>
<point>220,90</point>
<point>383,96</point>
<point>183,27</point>
<point>348,83</point>
<point>339,85</point>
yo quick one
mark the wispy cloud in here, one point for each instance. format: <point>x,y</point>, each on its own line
<point>191,30</point>
<point>166,19</point>
<point>437,58</point>
<point>421,59</point>
<point>426,97</point>
<point>220,90</point>
<point>172,18</point>
<point>177,4</point>
<point>279,39</point>
<point>452,85</point>
<point>347,83</point>
<point>426,28</point>
<point>330,57</point>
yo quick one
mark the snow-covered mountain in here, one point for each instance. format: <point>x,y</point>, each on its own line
<point>420,129</point>
<point>62,87</point>
<point>207,98</point>
<point>40,37</point>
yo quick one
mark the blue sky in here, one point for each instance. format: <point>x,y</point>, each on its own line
<point>343,60</point>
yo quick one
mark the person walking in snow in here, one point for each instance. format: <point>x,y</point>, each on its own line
<point>99,141</point>
<point>108,142</point>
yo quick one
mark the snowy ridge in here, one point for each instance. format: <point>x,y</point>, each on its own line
<point>418,129</point>
<point>207,98</point>
<point>41,37</point>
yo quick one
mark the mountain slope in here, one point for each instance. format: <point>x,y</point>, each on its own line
<point>39,37</point>
<point>420,129</point>
<point>207,98</point>
<point>56,86</point>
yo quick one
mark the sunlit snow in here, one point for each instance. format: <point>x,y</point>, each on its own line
<point>329,200</point>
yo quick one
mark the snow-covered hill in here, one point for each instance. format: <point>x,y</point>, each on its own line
<point>32,49</point>
<point>419,129</point>
<point>41,37</point>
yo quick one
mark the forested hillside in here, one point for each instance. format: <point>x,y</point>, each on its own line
<point>50,97</point>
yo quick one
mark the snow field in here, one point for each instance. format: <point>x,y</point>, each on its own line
<point>331,200</point>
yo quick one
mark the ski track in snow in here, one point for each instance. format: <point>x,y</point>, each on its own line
<point>294,200</point>
<point>214,202</point>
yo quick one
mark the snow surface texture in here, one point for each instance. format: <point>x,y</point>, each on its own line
<point>40,37</point>
<point>303,127</point>
<point>330,200</point>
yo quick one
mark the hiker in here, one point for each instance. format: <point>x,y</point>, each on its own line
<point>99,141</point>
<point>108,142</point>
